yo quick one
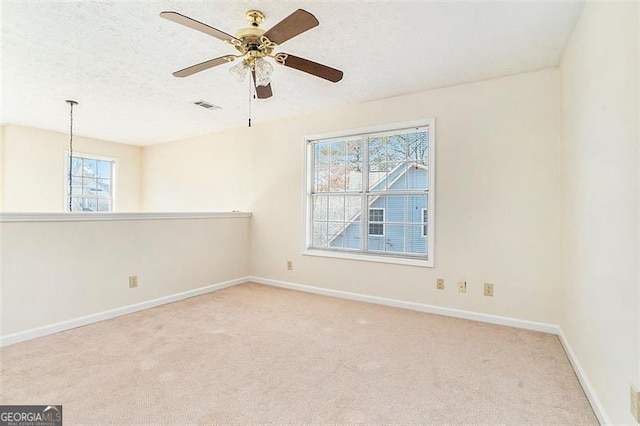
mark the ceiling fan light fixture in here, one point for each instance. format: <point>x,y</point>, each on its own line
<point>263,70</point>
<point>239,70</point>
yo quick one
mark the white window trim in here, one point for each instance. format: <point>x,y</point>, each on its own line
<point>429,262</point>
<point>375,222</point>
<point>114,178</point>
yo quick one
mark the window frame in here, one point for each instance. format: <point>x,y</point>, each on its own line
<point>371,256</point>
<point>114,179</point>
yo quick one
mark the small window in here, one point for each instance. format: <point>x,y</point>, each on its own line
<point>376,221</point>
<point>92,180</point>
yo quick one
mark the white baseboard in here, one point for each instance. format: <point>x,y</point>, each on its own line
<point>457,313</point>
<point>592,396</point>
<point>33,333</point>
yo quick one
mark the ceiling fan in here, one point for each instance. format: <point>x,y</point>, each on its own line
<point>254,45</point>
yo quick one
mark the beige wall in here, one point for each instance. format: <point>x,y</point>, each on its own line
<point>199,174</point>
<point>34,170</point>
<point>58,271</point>
<point>600,201</point>
<point>497,182</point>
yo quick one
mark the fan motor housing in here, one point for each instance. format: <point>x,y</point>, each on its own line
<point>249,33</point>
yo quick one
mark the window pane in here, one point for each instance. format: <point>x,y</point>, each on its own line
<point>103,187</point>
<point>354,165</point>
<point>76,205</point>
<point>104,169</point>
<point>85,204</point>
<point>376,215</point>
<point>76,185</point>
<point>321,182</point>
<point>396,208</point>
<point>90,167</point>
<point>335,234</point>
<point>320,207</point>
<point>394,238</point>
<point>398,161</point>
<point>322,155</point>
<point>418,145</point>
<point>348,237</point>
<point>352,208</point>
<point>336,208</point>
<point>89,186</point>
<point>337,168</point>
<point>396,149</point>
<point>416,242</point>
<point>319,238</point>
<point>76,166</point>
<point>416,177</point>
<point>376,229</point>
<point>104,205</point>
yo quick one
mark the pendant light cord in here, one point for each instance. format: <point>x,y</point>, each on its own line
<point>71,104</point>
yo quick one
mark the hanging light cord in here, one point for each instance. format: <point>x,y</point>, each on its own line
<point>71,104</point>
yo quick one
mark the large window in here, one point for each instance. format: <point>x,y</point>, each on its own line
<point>386,173</point>
<point>92,180</point>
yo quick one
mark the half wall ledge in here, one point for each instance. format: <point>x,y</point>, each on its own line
<point>92,216</point>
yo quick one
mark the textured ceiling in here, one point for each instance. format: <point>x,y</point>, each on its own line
<point>116,58</point>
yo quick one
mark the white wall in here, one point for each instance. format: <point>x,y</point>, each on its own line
<point>34,169</point>
<point>600,308</point>
<point>497,183</point>
<point>1,164</point>
<point>58,271</point>
<point>199,174</point>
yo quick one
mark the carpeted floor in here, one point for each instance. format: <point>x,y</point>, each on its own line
<point>255,354</point>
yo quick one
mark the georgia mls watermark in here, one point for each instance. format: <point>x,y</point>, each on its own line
<point>30,415</point>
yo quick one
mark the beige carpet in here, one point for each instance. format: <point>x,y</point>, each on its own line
<point>255,354</point>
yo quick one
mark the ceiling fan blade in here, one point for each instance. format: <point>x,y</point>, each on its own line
<point>204,66</point>
<point>196,25</point>
<point>294,24</point>
<point>263,92</point>
<point>309,67</point>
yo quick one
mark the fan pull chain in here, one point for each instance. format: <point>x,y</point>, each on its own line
<point>249,102</point>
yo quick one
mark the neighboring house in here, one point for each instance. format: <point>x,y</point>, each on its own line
<point>397,223</point>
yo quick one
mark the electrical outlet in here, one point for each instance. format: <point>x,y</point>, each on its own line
<point>635,403</point>
<point>440,283</point>
<point>289,265</point>
<point>488,289</point>
<point>133,281</point>
<point>462,286</point>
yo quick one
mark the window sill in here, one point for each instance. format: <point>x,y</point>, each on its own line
<point>370,258</point>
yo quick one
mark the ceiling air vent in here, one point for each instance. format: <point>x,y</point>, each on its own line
<point>207,105</point>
